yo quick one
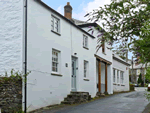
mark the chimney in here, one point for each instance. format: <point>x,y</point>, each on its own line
<point>68,11</point>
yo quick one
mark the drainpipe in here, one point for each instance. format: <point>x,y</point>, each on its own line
<point>25,63</point>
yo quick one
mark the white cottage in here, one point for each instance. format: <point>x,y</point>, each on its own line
<point>61,54</point>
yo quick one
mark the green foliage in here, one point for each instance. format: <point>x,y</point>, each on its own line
<point>140,79</point>
<point>147,95</point>
<point>14,74</point>
<point>131,87</point>
<point>123,21</point>
<point>147,76</point>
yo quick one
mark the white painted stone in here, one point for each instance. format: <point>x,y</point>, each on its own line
<point>11,35</point>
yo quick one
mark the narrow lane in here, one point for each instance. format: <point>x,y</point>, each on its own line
<point>133,102</point>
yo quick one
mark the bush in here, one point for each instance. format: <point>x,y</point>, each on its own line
<point>131,87</point>
<point>146,85</point>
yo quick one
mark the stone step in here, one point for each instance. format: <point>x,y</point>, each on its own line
<point>83,93</point>
<point>100,94</point>
<point>76,97</point>
<point>67,102</point>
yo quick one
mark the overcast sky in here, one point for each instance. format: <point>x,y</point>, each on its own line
<point>80,7</point>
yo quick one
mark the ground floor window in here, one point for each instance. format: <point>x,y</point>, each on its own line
<point>114,76</point>
<point>121,77</point>
<point>117,76</point>
<point>55,60</point>
<point>85,68</point>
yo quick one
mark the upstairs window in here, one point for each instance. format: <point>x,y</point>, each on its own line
<point>85,68</point>
<point>85,41</point>
<point>55,24</point>
<point>103,45</point>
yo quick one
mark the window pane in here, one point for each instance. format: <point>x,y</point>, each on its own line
<point>56,70</point>
<point>53,68</point>
<point>52,23</point>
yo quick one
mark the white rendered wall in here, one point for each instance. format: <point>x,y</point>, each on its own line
<point>121,67</point>
<point>88,55</point>
<point>107,56</point>
<point>108,53</point>
<point>43,88</point>
<point>11,35</point>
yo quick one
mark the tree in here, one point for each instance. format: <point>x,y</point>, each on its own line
<point>140,79</point>
<point>147,76</point>
<point>121,52</point>
<point>122,21</point>
<point>142,46</point>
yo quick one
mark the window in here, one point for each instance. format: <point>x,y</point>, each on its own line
<point>121,77</point>
<point>55,60</point>
<point>114,76</point>
<point>85,41</point>
<point>117,76</point>
<point>55,24</point>
<point>85,68</point>
<point>103,45</point>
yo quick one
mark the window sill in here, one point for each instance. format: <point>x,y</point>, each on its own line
<point>56,74</point>
<point>122,85</point>
<point>85,48</point>
<point>114,84</point>
<point>56,33</point>
<point>104,53</point>
<point>85,79</point>
<point>118,84</point>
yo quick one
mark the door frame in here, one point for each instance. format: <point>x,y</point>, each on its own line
<point>76,60</point>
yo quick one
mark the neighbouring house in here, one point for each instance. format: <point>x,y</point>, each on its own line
<point>136,71</point>
<point>61,54</point>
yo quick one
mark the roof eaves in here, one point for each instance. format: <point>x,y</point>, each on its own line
<point>121,61</point>
<point>46,6</point>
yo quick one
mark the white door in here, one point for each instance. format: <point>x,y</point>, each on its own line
<point>73,76</point>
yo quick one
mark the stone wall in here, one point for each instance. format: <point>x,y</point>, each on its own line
<point>10,94</point>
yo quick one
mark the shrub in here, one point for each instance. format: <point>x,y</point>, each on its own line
<point>131,87</point>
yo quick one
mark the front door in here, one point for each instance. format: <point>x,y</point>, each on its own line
<point>73,76</point>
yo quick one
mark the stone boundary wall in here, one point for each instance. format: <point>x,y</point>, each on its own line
<point>11,94</point>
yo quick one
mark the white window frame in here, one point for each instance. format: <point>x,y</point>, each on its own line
<point>55,61</point>
<point>117,76</point>
<point>114,76</point>
<point>85,41</point>
<point>55,24</point>
<point>85,68</point>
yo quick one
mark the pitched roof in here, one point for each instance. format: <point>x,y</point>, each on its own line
<point>57,13</point>
<point>116,57</point>
<point>79,22</point>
